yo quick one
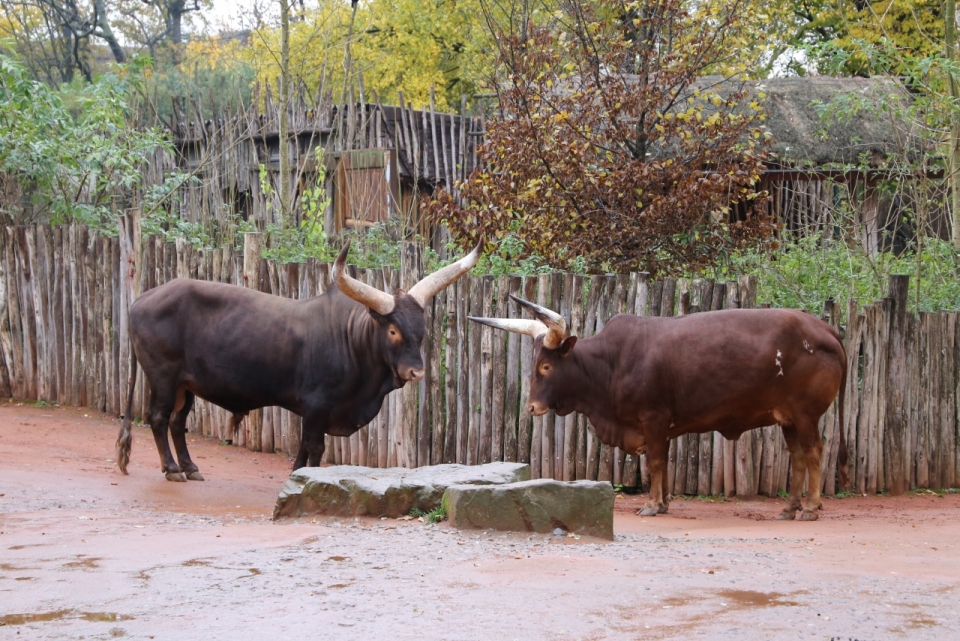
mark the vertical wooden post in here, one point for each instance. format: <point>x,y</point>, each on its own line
<point>251,279</point>
<point>411,271</point>
<point>729,447</point>
<point>747,467</point>
<point>512,401</point>
<point>894,431</point>
<point>450,358</point>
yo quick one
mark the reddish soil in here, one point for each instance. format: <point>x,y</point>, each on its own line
<point>88,553</point>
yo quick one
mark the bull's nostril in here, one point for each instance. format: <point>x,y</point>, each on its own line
<point>531,408</point>
<point>416,374</point>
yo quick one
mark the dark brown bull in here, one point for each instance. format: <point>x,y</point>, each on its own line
<point>330,359</point>
<point>645,380</point>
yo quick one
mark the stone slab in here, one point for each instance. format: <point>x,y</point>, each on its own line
<point>543,505</point>
<point>350,490</point>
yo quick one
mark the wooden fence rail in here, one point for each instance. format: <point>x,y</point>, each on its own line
<point>65,291</point>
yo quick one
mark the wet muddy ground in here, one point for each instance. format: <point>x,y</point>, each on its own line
<point>88,553</point>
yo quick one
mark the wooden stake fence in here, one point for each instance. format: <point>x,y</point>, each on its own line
<point>64,338</point>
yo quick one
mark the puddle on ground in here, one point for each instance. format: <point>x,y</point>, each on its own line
<point>754,599</point>
<point>338,586</point>
<point>338,558</point>
<point>6,567</point>
<point>921,623</point>
<point>193,562</point>
<point>733,598</point>
<point>57,615</point>
<point>90,563</point>
<point>254,571</point>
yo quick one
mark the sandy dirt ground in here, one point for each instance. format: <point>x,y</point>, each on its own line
<point>86,553</point>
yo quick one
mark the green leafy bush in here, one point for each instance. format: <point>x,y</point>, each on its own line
<point>805,272</point>
<point>71,155</point>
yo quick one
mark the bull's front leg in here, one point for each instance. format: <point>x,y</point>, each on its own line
<point>657,450</point>
<point>311,442</point>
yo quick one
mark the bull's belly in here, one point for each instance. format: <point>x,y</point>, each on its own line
<point>732,425</point>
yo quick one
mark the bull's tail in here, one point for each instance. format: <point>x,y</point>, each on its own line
<point>842,453</point>
<point>124,439</point>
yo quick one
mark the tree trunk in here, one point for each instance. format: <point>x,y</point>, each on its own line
<point>950,36</point>
<point>286,200</point>
<point>105,33</point>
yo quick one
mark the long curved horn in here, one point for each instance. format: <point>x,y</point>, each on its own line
<point>531,328</point>
<point>378,301</point>
<point>554,322</point>
<point>433,283</point>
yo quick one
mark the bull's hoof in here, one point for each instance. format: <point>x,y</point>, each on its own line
<point>663,508</point>
<point>787,515</point>
<point>649,511</point>
<point>809,515</point>
<point>195,476</point>
<point>176,476</point>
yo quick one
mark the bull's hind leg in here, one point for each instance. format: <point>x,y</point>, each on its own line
<point>811,445</point>
<point>178,431</point>
<point>160,409</point>
<point>798,472</point>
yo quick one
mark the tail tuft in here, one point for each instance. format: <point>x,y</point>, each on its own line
<point>123,444</point>
<point>124,439</point>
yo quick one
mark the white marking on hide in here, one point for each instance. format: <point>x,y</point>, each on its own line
<point>779,364</point>
<point>806,346</point>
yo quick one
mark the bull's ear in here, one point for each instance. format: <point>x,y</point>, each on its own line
<point>567,345</point>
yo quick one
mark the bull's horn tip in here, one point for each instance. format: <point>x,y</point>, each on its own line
<point>342,256</point>
<point>470,260</point>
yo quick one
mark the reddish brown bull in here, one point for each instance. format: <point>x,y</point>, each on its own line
<point>645,380</point>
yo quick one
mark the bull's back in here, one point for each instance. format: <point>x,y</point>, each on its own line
<point>220,340</point>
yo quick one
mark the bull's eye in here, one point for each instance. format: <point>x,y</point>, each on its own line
<point>545,368</point>
<point>393,334</point>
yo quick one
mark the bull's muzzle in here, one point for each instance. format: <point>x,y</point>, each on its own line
<point>536,409</point>
<point>413,375</point>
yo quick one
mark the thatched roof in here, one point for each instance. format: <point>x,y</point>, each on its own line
<point>804,139</point>
<point>798,130</point>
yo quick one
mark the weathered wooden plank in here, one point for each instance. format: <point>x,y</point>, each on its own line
<point>512,387</point>
<point>604,453</point>
<point>485,429</point>
<point>451,359</point>
<point>587,444</point>
<point>923,402</point>
<point>438,422</point>
<point>499,356</point>
<point>731,301</point>
<point>252,253</point>
<point>618,306</point>
<point>10,341</point>
<point>475,374</point>
<point>948,386</point>
<point>562,302</point>
<point>537,456</point>
<point>637,305</point>
<point>852,345</point>
<point>569,466</point>
<point>464,328</point>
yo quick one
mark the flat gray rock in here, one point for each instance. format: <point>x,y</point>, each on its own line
<point>544,505</point>
<point>350,490</point>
